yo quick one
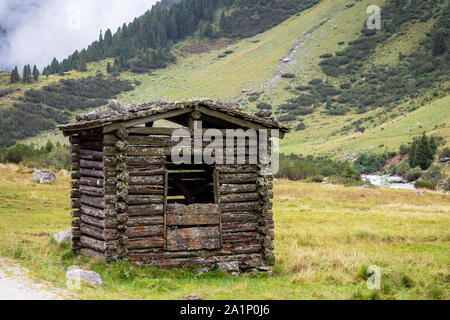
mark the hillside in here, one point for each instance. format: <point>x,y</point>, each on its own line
<point>250,71</point>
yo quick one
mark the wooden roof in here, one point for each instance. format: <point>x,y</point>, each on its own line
<point>115,115</point>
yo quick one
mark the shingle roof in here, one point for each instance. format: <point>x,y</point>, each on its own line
<point>115,113</point>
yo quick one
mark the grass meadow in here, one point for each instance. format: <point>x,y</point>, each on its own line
<point>326,238</point>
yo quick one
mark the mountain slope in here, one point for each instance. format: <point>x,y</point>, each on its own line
<point>249,71</point>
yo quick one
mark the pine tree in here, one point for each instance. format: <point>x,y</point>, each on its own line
<point>222,22</point>
<point>15,76</point>
<point>439,46</point>
<point>35,73</point>
<point>82,65</point>
<point>108,68</point>
<point>26,76</point>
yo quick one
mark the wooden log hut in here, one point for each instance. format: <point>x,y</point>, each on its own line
<point>131,201</point>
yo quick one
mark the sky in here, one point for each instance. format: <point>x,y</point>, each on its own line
<point>38,30</point>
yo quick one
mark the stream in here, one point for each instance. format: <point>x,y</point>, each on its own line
<point>392,182</point>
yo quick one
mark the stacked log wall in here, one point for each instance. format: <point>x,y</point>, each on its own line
<point>123,200</point>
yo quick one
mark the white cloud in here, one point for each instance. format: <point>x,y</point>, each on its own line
<point>38,30</point>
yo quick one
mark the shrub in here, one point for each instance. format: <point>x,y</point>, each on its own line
<point>445,153</point>
<point>425,185</point>
<point>316,178</point>
<point>434,175</point>
<point>303,88</point>
<point>404,149</point>
<point>264,106</point>
<point>400,169</point>
<point>326,55</point>
<point>413,174</point>
<point>446,185</point>
<point>301,126</point>
<point>288,75</point>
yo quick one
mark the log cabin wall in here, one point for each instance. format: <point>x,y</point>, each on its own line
<point>122,184</point>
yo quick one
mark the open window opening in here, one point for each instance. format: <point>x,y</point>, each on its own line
<point>190,184</point>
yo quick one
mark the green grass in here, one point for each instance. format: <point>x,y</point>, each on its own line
<point>325,240</point>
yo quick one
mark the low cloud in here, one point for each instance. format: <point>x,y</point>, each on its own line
<point>35,31</point>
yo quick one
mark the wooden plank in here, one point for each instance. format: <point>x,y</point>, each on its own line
<point>92,173</point>
<point>145,199</point>
<point>92,182</point>
<point>91,191</point>
<point>239,206</point>
<point>153,209</point>
<point>88,164</point>
<point>239,227</point>
<point>239,197</point>
<point>152,131</point>
<point>239,237</point>
<point>139,121</point>
<point>244,178</point>
<point>142,221</point>
<point>240,216</point>
<point>91,211</point>
<point>193,238</point>
<point>144,243</point>
<point>148,151</point>
<point>145,189</point>
<point>193,220</point>
<point>96,202</point>
<point>194,209</point>
<point>141,232</point>
<point>91,155</point>
<point>144,160</point>
<point>99,233</point>
<point>237,188</point>
<point>146,180</point>
<point>146,170</point>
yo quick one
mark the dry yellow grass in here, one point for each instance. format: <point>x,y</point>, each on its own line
<point>326,237</point>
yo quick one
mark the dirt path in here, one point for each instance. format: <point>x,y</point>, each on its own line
<point>15,284</point>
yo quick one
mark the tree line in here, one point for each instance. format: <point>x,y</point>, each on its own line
<point>27,75</point>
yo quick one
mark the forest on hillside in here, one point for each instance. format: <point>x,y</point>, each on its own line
<point>145,43</point>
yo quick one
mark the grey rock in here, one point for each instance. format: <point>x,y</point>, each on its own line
<point>264,268</point>
<point>44,177</point>
<point>228,267</point>
<point>63,236</point>
<point>89,276</point>
<point>202,270</point>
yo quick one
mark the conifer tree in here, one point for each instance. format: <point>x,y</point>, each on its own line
<point>108,68</point>
<point>35,73</point>
<point>15,76</point>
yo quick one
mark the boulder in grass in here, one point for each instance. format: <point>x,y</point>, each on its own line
<point>229,267</point>
<point>63,236</point>
<point>89,276</point>
<point>44,177</point>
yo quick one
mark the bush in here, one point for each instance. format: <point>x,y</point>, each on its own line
<point>326,55</point>
<point>404,149</point>
<point>434,175</point>
<point>301,126</point>
<point>317,179</point>
<point>425,185</point>
<point>288,75</point>
<point>264,106</point>
<point>370,162</point>
<point>400,169</point>
<point>446,185</point>
<point>445,153</point>
<point>413,174</point>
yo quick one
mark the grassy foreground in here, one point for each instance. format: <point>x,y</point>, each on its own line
<point>326,237</point>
